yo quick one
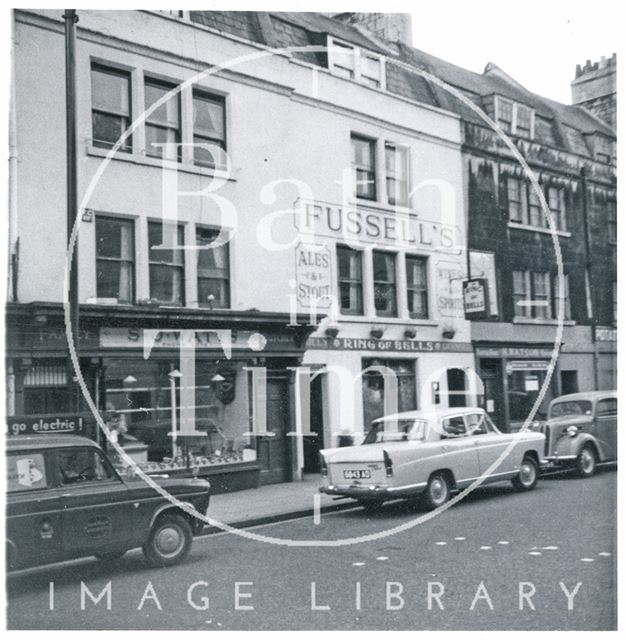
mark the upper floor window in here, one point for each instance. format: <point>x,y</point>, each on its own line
<point>397,168</point>
<point>110,106</point>
<point>115,259</point>
<point>167,266</point>
<point>417,286</point>
<point>524,205</point>
<point>213,270</point>
<point>350,277</point>
<point>536,294</point>
<point>514,118</point>
<point>364,166</point>
<point>163,124</point>
<point>355,63</point>
<point>604,148</point>
<point>209,128</point>
<point>611,206</point>
<point>385,296</point>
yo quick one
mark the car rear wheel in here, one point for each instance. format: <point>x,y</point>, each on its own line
<point>109,556</point>
<point>437,491</point>
<point>371,506</point>
<point>169,541</point>
<point>528,475</point>
<point>586,462</point>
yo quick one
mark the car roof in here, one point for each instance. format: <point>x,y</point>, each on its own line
<point>429,414</point>
<point>46,441</point>
<point>587,395</point>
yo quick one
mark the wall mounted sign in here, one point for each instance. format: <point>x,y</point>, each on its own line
<point>513,352</point>
<point>450,277</point>
<point>371,344</point>
<point>606,334</point>
<point>476,298</point>
<point>360,225</point>
<point>46,424</point>
<point>483,265</point>
<point>313,276</point>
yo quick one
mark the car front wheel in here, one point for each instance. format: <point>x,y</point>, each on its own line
<point>169,541</point>
<point>437,491</point>
<point>586,462</point>
<point>527,477</point>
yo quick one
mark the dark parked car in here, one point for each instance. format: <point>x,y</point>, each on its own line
<point>65,500</point>
<point>581,431</point>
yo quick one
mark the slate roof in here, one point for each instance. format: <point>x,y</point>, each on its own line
<point>284,29</point>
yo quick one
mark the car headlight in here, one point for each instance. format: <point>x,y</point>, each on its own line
<point>572,431</point>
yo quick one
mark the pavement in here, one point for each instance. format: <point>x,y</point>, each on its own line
<point>463,569</point>
<point>273,503</point>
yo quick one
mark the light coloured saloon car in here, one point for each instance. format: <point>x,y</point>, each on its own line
<point>581,431</point>
<point>430,455</point>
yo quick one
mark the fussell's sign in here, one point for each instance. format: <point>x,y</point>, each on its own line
<point>50,424</point>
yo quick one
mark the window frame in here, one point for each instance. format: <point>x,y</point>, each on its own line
<point>113,70</point>
<point>514,126</point>
<point>404,151</point>
<point>225,280</point>
<point>373,143</point>
<point>414,288</point>
<point>391,284</point>
<point>200,93</point>
<point>168,86</point>
<point>350,281</point>
<point>133,271</point>
<point>163,263</point>
<point>612,220</point>
<point>358,54</point>
<point>557,211</point>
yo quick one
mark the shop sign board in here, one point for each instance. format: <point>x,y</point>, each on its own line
<point>527,365</point>
<point>313,276</point>
<point>44,424</point>
<point>371,344</point>
<point>513,352</point>
<point>606,334</point>
<point>476,298</point>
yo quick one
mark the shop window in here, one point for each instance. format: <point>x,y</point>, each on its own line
<point>385,284</point>
<point>364,166</point>
<point>167,271</point>
<point>163,124</point>
<point>209,128</point>
<point>374,387</point>
<point>110,106</point>
<point>397,167</point>
<point>349,262</point>
<point>417,286</point>
<point>525,379</point>
<point>115,259</point>
<point>213,270</point>
<point>45,389</point>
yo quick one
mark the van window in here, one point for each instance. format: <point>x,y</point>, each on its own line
<point>607,407</point>
<point>78,465</point>
<point>25,472</point>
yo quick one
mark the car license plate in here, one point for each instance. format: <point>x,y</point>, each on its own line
<point>357,474</point>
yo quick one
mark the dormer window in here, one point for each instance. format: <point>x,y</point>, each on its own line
<point>603,149</point>
<point>514,118</point>
<point>354,63</point>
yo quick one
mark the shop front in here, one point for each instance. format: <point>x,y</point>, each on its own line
<point>206,420</point>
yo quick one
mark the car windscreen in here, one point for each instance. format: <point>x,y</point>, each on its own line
<point>396,431</point>
<point>570,408</point>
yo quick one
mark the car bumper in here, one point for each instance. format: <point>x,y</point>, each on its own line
<point>376,492</point>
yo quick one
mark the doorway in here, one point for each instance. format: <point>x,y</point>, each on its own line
<point>569,382</point>
<point>313,444</point>
<point>491,375</point>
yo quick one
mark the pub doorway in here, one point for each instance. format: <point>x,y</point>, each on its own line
<point>313,444</point>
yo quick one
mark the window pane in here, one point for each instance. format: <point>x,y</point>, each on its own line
<point>110,91</point>
<point>363,153</point>
<point>396,163</point>
<point>350,280</point>
<point>115,280</point>
<point>208,117</point>
<point>417,288</point>
<point>216,288</point>
<point>157,136</point>
<point>343,56</point>
<point>384,283</point>
<point>213,270</point>
<point>167,115</point>
<point>159,234</point>
<point>370,69</point>
<point>166,283</point>
<point>108,129</point>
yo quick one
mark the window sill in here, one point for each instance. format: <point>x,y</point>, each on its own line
<point>140,159</point>
<point>387,320</point>
<point>376,205</point>
<point>543,321</point>
<point>528,227</point>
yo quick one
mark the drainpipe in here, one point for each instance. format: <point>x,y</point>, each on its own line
<point>12,292</point>
<point>588,265</point>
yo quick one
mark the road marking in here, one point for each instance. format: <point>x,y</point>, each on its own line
<point>382,558</point>
<point>358,564</point>
<point>485,548</point>
<point>587,560</point>
<point>441,543</point>
<point>460,538</point>
<point>317,514</point>
<point>503,542</point>
<point>534,553</point>
<point>551,548</point>
<point>605,554</point>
